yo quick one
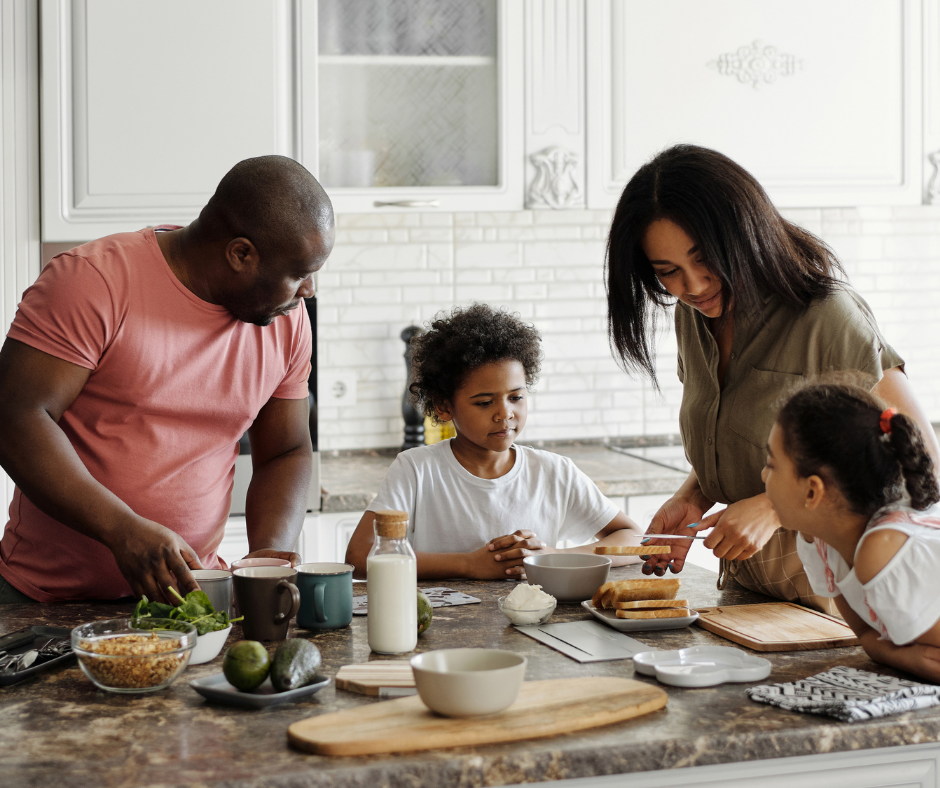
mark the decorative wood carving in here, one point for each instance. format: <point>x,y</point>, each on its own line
<point>555,184</point>
<point>757,64</point>
<point>933,187</point>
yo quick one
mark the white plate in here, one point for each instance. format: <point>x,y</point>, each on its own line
<point>701,666</point>
<point>216,688</point>
<point>637,624</point>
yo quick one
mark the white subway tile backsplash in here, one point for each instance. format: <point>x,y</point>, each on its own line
<point>388,271</point>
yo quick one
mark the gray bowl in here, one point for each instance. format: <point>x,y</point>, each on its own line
<point>569,577</point>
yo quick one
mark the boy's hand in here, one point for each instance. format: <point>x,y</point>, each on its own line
<point>512,548</point>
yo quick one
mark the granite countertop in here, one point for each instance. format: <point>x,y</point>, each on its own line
<point>58,724</point>
<point>350,479</point>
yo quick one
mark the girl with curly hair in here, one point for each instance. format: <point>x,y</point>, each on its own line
<point>479,503</point>
<point>852,479</point>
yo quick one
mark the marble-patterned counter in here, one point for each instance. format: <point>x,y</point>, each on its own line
<point>350,479</point>
<point>58,729</point>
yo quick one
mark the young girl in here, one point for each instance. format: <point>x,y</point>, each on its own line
<point>854,478</point>
<point>479,503</point>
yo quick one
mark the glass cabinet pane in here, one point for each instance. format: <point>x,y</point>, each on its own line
<point>408,93</point>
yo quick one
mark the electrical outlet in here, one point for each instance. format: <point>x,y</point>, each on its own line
<point>337,388</point>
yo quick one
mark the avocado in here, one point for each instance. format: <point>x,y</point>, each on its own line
<point>425,611</point>
<point>295,664</point>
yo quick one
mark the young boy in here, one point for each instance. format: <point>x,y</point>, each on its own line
<point>479,503</point>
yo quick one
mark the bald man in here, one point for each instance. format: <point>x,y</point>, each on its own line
<point>133,366</point>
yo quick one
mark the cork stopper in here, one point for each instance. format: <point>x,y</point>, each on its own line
<point>390,524</point>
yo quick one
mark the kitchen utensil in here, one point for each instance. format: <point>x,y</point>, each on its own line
<point>585,641</point>
<point>368,678</point>
<point>526,617</point>
<point>217,688</point>
<point>114,655</point>
<point>217,585</point>
<point>209,645</point>
<point>260,592</point>
<point>701,666</point>
<point>609,617</point>
<point>543,708</point>
<point>325,595</point>
<point>569,577</point>
<point>468,682</point>
<point>674,536</point>
<point>776,626</point>
<point>52,646</point>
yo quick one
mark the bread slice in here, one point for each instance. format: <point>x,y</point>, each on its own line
<point>599,594</point>
<point>651,604</point>
<point>639,589</point>
<point>669,612</point>
<point>619,549</point>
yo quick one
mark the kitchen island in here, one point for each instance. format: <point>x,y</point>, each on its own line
<point>58,729</point>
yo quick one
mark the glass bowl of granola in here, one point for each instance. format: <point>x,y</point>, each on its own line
<point>119,657</point>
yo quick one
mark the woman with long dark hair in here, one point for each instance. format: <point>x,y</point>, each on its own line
<point>759,304</point>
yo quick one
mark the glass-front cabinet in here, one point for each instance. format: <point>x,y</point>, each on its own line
<point>419,103</point>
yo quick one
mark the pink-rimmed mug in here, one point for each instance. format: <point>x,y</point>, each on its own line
<point>244,563</point>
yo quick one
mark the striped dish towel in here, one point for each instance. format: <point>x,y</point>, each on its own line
<point>848,694</point>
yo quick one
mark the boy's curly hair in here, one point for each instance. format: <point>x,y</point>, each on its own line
<point>466,339</point>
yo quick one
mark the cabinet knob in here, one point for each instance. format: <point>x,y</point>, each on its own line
<point>408,204</point>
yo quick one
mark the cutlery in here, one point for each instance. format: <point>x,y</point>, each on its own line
<point>673,536</point>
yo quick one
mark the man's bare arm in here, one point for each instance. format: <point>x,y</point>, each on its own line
<point>35,390</point>
<point>282,461</point>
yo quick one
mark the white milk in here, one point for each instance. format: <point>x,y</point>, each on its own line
<point>393,603</point>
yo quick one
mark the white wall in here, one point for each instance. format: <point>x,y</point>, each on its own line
<point>389,271</point>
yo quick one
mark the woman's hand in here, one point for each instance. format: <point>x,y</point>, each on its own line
<point>673,517</point>
<point>742,529</point>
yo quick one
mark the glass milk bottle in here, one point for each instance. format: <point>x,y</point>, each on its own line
<point>392,579</point>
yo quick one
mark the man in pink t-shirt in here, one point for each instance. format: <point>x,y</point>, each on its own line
<point>132,367</point>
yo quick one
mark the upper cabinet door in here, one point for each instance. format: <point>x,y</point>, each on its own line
<point>821,101</point>
<point>418,103</point>
<point>145,106</point>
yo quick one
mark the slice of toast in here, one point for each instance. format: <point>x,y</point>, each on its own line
<point>620,549</point>
<point>638,589</point>
<point>668,612</point>
<point>651,604</point>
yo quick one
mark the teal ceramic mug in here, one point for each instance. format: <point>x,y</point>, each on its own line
<point>325,595</point>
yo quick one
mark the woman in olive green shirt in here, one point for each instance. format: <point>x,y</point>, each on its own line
<point>759,304</point>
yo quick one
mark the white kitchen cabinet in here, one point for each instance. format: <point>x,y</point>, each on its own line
<point>145,106</point>
<point>418,104</point>
<point>822,102</point>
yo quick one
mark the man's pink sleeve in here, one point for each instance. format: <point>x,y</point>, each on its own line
<point>68,312</point>
<point>294,384</point>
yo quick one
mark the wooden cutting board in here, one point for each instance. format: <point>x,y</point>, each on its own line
<point>543,708</point>
<point>776,626</point>
<point>369,677</point>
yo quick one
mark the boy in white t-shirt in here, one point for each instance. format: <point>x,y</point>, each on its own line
<point>479,503</point>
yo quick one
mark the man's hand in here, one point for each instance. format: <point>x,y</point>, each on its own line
<point>153,558</point>
<point>294,558</point>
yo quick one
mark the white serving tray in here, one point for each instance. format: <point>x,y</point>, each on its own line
<point>637,624</point>
<point>701,666</point>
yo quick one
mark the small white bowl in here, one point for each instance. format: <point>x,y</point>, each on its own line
<point>701,666</point>
<point>209,645</point>
<point>468,682</point>
<point>526,617</point>
<point>569,577</point>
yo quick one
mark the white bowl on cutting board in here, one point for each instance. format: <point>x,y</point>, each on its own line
<point>468,682</point>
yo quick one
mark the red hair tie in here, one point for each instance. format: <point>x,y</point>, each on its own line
<point>885,421</point>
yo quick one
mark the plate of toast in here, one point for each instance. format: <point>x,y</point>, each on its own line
<point>641,604</point>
